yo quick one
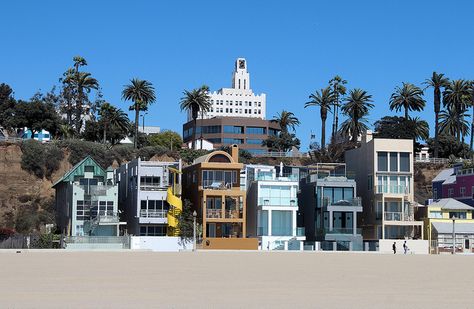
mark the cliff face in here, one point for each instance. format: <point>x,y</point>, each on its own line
<point>18,188</point>
<point>424,174</point>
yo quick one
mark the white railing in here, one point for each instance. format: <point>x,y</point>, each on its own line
<point>144,213</point>
<point>214,213</point>
<point>397,216</point>
<point>393,189</point>
<point>281,154</point>
<point>278,201</point>
<point>431,160</point>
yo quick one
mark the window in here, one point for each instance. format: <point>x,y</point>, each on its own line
<point>255,141</point>
<point>457,214</point>
<point>233,141</point>
<point>436,215</point>
<point>370,182</point>
<point>262,221</point>
<point>214,140</point>
<point>234,129</point>
<point>208,129</point>
<point>450,192</point>
<point>435,193</point>
<point>462,191</point>
<point>273,132</point>
<point>256,130</point>
<point>382,163</point>
<point>393,161</point>
<point>153,230</point>
<point>404,161</point>
<point>282,224</point>
<point>149,183</point>
<point>213,177</point>
<point>89,169</point>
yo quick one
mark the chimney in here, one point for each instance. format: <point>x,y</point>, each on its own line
<point>367,137</point>
<point>234,151</point>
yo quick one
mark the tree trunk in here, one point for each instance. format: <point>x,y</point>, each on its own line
<point>472,129</point>
<point>355,133</point>
<point>32,134</point>
<point>193,142</point>
<point>105,132</point>
<point>436,149</point>
<point>406,113</point>
<point>202,117</point>
<point>137,116</point>
<point>336,112</point>
<point>323,133</point>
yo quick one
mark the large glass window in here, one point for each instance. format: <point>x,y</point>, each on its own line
<point>457,214</point>
<point>382,162</point>
<point>234,129</point>
<point>208,129</point>
<point>233,141</point>
<point>262,228</point>
<point>393,161</point>
<point>273,132</point>
<point>256,130</point>
<point>404,161</point>
<point>282,223</point>
<point>153,230</point>
<point>218,179</point>
<point>149,183</point>
<point>254,141</point>
<point>436,215</point>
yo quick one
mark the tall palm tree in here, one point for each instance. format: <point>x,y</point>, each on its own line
<point>323,99</point>
<point>195,101</point>
<point>437,81</point>
<point>456,98</point>
<point>338,89</point>
<point>286,120</point>
<point>471,96</point>
<point>407,97</point>
<point>453,123</point>
<point>419,127</point>
<point>113,117</point>
<point>142,94</point>
<point>356,107</point>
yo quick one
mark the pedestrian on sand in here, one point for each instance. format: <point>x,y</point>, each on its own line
<point>394,247</point>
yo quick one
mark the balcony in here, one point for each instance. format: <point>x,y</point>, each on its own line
<point>152,213</point>
<point>95,190</point>
<point>395,189</point>
<point>151,187</point>
<point>397,216</point>
<point>284,177</point>
<point>278,201</point>
<point>233,214</point>
<point>345,231</point>
<point>106,217</point>
<point>217,185</point>
<point>353,202</point>
<point>213,213</point>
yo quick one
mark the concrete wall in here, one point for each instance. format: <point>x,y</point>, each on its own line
<point>414,246</point>
<point>158,243</point>
<point>230,243</point>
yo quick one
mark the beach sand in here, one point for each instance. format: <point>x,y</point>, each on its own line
<point>61,279</point>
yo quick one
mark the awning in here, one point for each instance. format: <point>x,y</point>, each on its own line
<point>447,228</point>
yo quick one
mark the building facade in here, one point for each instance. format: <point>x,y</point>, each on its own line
<point>456,182</point>
<point>272,206</point>
<point>87,201</point>
<point>237,101</point>
<point>439,225</point>
<point>212,185</point>
<point>329,209</point>
<point>384,176</point>
<point>143,195</point>
<point>247,133</point>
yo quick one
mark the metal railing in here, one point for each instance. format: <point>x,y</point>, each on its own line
<point>278,201</point>
<point>397,216</point>
<point>213,213</point>
<point>343,231</point>
<point>392,189</point>
<point>106,217</point>
<point>283,177</point>
<point>281,154</point>
<point>152,187</point>
<point>148,213</point>
<point>124,240</point>
<point>348,203</point>
<point>431,160</point>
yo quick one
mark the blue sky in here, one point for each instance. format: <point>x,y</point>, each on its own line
<point>292,48</point>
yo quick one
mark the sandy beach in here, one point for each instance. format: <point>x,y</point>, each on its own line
<point>233,280</point>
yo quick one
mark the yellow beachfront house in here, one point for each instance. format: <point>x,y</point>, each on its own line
<point>445,217</point>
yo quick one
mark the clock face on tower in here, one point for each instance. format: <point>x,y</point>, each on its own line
<point>241,64</point>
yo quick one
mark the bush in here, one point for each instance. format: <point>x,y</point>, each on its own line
<point>189,155</point>
<point>40,159</point>
<point>33,215</point>
<point>146,153</point>
<point>80,149</point>
<point>123,153</point>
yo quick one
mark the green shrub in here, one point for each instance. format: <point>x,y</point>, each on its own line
<point>80,149</point>
<point>40,159</point>
<point>123,152</point>
<point>189,155</point>
<point>146,153</point>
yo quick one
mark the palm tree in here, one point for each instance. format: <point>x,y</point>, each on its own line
<point>196,100</point>
<point>323,99</point>
<point>142,94</point>
<point>84,84</point>
<point>471,96</point>
<point>286,120</point>
<point>112,116</point>
<point>456,98</point>
<point>437,81</point>
<point>356,107</point>
<point>338,89</point>
<point>419,127</point>
<point>453,123</point>
<point>407,97</point>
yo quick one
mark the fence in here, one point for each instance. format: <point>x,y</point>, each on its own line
<point>30,242</point>
<point>280,154</point>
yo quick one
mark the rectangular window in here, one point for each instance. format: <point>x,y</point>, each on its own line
<point>234,129</point>
<point>436,215</point>
<point>435,193</point>
<point>262,229</point>
<point>382,163</point>
<point>457,214</point>
<point>233,141</point>
<point>89,169</point>
<point>462,191</point>
<point>256,130</point>
<point>450,192</point>
<point>282,224</point>
<point>255,141</point>
<point>404,161</point>
<point>393,161</point>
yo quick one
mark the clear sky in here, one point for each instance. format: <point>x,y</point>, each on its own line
<point>292,48</point>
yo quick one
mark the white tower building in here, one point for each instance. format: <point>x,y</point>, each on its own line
<point>238,101</point>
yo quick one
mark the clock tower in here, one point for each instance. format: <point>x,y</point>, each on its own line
<point>241,77</point>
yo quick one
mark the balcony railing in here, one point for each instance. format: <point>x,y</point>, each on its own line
<point>233,214</point>
<point>105,217</point>
<point>217,185</point>
<point>151,187</point>
<point>213,213</point>
<point>392,189</point>
<point>95,190</point>
<point>158,213</point>
<point>348,202</point>
<point>349,231</point>
<point>284,177</point>
<point>398,216</point>
<point>278,201</point>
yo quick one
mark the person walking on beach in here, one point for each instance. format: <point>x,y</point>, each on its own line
<point>405,247</point>
<point>394,247</point>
